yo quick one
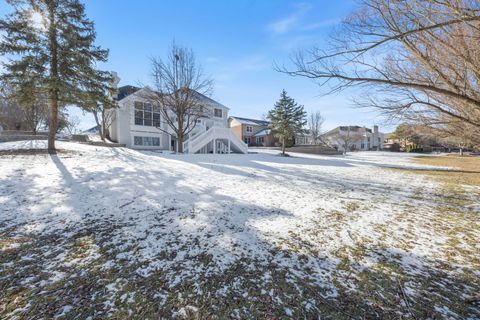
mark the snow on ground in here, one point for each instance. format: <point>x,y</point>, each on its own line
<point>270,236</point>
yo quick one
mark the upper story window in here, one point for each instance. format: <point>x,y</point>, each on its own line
<point>218,113</point>
<point>249,129</point>
<point>146,114</point>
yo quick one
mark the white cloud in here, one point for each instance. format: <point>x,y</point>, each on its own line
<point>283,25</point>
<point>212,59</point>
<point>321,24</point>
<point>287,23</point>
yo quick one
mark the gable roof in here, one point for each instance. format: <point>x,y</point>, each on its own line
<point>91,130</point>
<point>263,132</point>
<point>208,100</point>
<point>126,91</point>
<point>253,122</point>
<point>353,129</point>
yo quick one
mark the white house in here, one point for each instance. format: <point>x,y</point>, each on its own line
<point>357,138</point>
<point>138,123</point>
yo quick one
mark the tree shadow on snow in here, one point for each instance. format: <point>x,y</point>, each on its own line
<point>164,237</point>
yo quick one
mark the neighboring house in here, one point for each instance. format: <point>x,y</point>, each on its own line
<point>138,123</point>
<point>251,131</point>
<point>358,138</point>
<point>92,130</point>
<point>304,138</point>
<point>391,143</point>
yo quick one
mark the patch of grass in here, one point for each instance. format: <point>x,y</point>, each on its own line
<point>352,206</point>
<point>465,169</point>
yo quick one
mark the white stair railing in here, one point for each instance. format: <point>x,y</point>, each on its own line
<point>200,140</point>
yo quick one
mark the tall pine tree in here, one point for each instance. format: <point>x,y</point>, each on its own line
<point>287,118</point>
<point>54,41</point>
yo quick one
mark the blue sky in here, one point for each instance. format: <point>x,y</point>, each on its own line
<point>237,43</point>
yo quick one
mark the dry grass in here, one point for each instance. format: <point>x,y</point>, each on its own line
<point>465,169</point>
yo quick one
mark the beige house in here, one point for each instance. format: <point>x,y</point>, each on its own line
<point>356,137</point>
<point>251,131</point>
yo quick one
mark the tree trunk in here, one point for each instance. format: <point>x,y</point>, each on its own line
<point>179,143</point>
<point>99,125</point>
<point>53,122</point>
<point>283,146</point>
<point>461,151</point>
<point>180,117</point>
<point>34,122</point>
<point>52,37</point>
<point>103,132</point>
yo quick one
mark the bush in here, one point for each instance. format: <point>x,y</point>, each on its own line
<point>413,148</point>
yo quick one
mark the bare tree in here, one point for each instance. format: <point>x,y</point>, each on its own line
<point>72,124</point>
<point>417,60</point>
<point>104,118</point>
<point>315,123</point>
<point>179,86</point>
<point>26,111</point>
<point>101,103</point>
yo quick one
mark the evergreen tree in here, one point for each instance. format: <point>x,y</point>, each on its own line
<point>287,119</point>
<point>51,45</point>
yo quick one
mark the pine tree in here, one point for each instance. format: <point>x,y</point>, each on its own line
<point>287,118</point>
<point>54,41</point>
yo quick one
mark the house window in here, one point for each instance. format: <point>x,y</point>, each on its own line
<point>146,114</point>
<point>138,141</point>
<point>146,141</point>
<point>138,113</point>
<point>362,146</point>
<point>218,113</point>
<point>249,128</point>
<point>260,140</point>
<point>247,140</point>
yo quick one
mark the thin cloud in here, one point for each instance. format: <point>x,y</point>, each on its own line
<point>283,25</point>
<point>321,24</point>
<point>212,59</point>
<point>287,23</point>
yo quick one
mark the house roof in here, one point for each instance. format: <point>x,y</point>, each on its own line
<point>91,130</point>
<point>263,132</point>
<point>346,128</point>
<point>253,122</point>
<point>208,100</point>
<point>126,91</point>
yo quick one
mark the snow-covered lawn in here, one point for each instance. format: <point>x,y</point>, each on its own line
<point>99,232</point>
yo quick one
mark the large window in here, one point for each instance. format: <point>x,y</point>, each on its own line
<point>146,141</point>
<point>260,140</point>
<point>249,128</point>
<point>218,113</point>
<point>146,114</point>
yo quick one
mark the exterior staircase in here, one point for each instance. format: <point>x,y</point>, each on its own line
<point>220,140</point>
